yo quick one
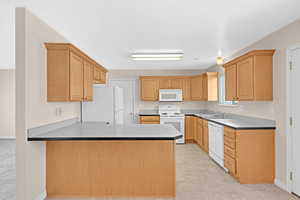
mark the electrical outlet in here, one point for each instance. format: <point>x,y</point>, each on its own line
<point>58,111</point>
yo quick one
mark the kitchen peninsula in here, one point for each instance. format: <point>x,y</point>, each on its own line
<point>94,159</point>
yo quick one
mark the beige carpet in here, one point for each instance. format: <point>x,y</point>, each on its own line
<point>199,178</point>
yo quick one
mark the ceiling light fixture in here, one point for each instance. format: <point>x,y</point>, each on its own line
<point>157,55</point>
<point>220,60</point>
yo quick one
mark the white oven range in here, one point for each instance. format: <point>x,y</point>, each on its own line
<point>170,114</point>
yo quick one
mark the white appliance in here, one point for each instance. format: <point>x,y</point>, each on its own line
<point>216,142</point>
<point>170,114</point>
<point>107,105</point>
<point>170,95</point>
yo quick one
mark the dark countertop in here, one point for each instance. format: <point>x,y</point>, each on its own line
<point>234,121</point>
<point>103,131</point>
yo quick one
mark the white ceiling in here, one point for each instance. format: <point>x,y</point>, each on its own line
<point>108,30</point>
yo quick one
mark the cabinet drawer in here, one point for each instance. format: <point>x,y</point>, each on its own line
<point>229,163</point>
<point>230,133</point>
<point>150,122</point>
<point>229,142</point>
<point>149,118</point>
<point>229,152</point>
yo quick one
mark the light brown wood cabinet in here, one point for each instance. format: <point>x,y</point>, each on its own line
<point>99,75</point>
<point>250,77</point>
<point>199,133</point>
<point>70,73</point>
<point>88,78</point>
<point>151,119</point>
<point>231,83</point>
<point>202,87</point>
<point>205,135</point>
<point>186,89</point>
<point>190,126</point>
<point>197,88</point>
<point>249,155</point>
<point>149,88</point>
<point>196,131</point>
<point>210,86</point>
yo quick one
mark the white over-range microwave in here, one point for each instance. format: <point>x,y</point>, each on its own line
<point>170,95</point>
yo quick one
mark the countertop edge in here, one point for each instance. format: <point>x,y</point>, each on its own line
<point>211,120</point>
<point>100,138</point>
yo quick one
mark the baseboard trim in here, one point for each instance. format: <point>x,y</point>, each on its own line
<point>280,184</point>
<point>42,196</point>
<point>7,137</point>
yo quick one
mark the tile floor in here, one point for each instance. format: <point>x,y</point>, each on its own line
<point>198,178</point>
<point>7,170</point>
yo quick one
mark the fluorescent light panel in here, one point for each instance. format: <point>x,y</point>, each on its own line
<point>174,55</point>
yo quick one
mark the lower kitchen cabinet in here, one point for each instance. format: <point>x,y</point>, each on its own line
<point>199,133</point>
<point>190,123</point>
<point>205,135</point>
<point>149,119</point>
<point>249,155</point>
<point>196,131</point>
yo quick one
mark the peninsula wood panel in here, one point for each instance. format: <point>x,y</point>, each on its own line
<point>143,168</point>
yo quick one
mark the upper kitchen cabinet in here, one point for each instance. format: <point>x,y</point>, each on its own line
<point>70,73</point>
<point>197,88</point>
<point>250,77</point>
<point>149,88</point>
<point>230,82</point>
<point>88,78</point>
<point>99,74</point>
<point>210,86</point>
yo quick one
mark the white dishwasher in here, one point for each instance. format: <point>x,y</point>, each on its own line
<point>216,142</point>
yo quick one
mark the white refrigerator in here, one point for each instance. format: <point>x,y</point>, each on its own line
<point>107,105</point>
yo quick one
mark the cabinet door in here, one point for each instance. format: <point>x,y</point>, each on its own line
<point>205,88</point>
<point>164,83</point>
<point>76,77</point>
<point>230,83</point>
<point>88,81</point>
<point>245,84</point>
<point>205,135</point>
<point>200,134</point>
<point>149,89</point>
<point>197,88</point>
<point>189,129</point>
<point>103,76</point>
<point>176,83</point>
<point>186,89</point>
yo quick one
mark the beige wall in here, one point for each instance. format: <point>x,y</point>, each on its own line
<point>148,105</point>
<point>7,103</point>
<point>32,107</point>
<point>279,40</point>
